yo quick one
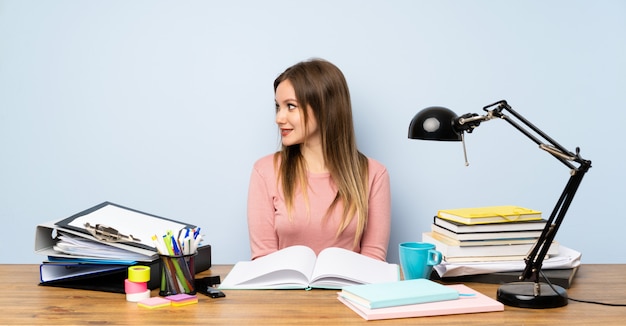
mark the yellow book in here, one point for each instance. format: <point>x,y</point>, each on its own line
<point>489,214</point>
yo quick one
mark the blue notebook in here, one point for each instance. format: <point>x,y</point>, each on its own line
<point>382,295</point>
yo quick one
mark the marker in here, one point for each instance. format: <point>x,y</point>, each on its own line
<point>175,246</point>
<point>159,245</point>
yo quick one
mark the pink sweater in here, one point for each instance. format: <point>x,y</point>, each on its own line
<point>271,230</point>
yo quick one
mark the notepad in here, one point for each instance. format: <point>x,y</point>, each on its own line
<point>475,302</point>
<point>154,302</point>
<point>182,299</point>
<point>381,295</point>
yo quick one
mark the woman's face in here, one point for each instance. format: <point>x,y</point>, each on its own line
<point>290,119</point>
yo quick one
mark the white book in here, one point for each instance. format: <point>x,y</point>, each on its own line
<point>486,235</point>
<point>449,250</point>
<point>481,242</point>
<point>492,227</point>
<point>298,267</point>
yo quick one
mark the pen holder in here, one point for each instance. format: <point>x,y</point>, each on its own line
<point>177,274</point>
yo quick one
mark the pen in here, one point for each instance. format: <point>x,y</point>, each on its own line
<point>467,295</point>
<point>184,242</point>
<point>175,247</point>
<point>196,242</point>
<point>168,246</point>
<point>158,245</point>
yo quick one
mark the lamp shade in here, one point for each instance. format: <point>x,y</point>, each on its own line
<point>434,123</point>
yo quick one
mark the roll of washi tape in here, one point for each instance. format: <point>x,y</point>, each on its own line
<point>134,287</point>
<point>139,273</point>
<point>136,297</point>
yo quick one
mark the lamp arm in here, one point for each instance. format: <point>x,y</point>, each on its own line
<point>556,149</point>
<point>535,257</point>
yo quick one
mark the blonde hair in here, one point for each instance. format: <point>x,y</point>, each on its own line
<point>320,85</point>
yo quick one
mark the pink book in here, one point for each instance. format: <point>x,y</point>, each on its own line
<point>470,301</point>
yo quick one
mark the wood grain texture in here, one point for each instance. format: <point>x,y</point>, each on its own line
<point>24,302</point>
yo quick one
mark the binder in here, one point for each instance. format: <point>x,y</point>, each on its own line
<point>110,278</point>
<point>99,225</point>
<point>126,220</point>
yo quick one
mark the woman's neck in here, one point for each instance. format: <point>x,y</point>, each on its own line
<point>314,158</point>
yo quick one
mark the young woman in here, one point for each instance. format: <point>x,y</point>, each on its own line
<point>318,190</point>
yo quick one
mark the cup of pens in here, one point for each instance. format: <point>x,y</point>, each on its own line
<point>177,255</point>
<point>177,274</point>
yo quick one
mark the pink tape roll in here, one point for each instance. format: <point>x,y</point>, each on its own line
<point>136,297</point>
<point>134,287</point>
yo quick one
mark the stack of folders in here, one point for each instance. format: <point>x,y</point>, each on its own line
<point>485,234</point>
<point>414,298</point>
<point>94,248</point>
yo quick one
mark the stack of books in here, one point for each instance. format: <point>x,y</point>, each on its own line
<point>486,234</point>
<point>414,298</point>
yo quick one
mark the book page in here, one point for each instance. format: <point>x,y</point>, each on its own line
<point>287,268</point>
<point>337,267</point>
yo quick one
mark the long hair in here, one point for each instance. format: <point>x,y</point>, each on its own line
<point>320,85</point>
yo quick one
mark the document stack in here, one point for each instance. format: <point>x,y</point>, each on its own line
<point>94,248</point>
<point>485,234</point>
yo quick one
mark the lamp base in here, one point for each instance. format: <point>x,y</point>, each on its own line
<point>522,294</point>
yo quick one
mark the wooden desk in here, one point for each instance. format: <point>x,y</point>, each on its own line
<point>24,302</point>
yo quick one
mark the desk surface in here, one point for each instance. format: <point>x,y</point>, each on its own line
<point>24,302</point>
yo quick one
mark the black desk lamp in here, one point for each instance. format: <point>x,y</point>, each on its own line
<point>438,123</point>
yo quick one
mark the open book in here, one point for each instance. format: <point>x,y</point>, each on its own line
<point>297,267</point>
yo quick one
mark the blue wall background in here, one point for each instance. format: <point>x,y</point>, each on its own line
<point>164,106</point>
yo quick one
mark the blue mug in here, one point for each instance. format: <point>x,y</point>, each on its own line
<point>417,259</point>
